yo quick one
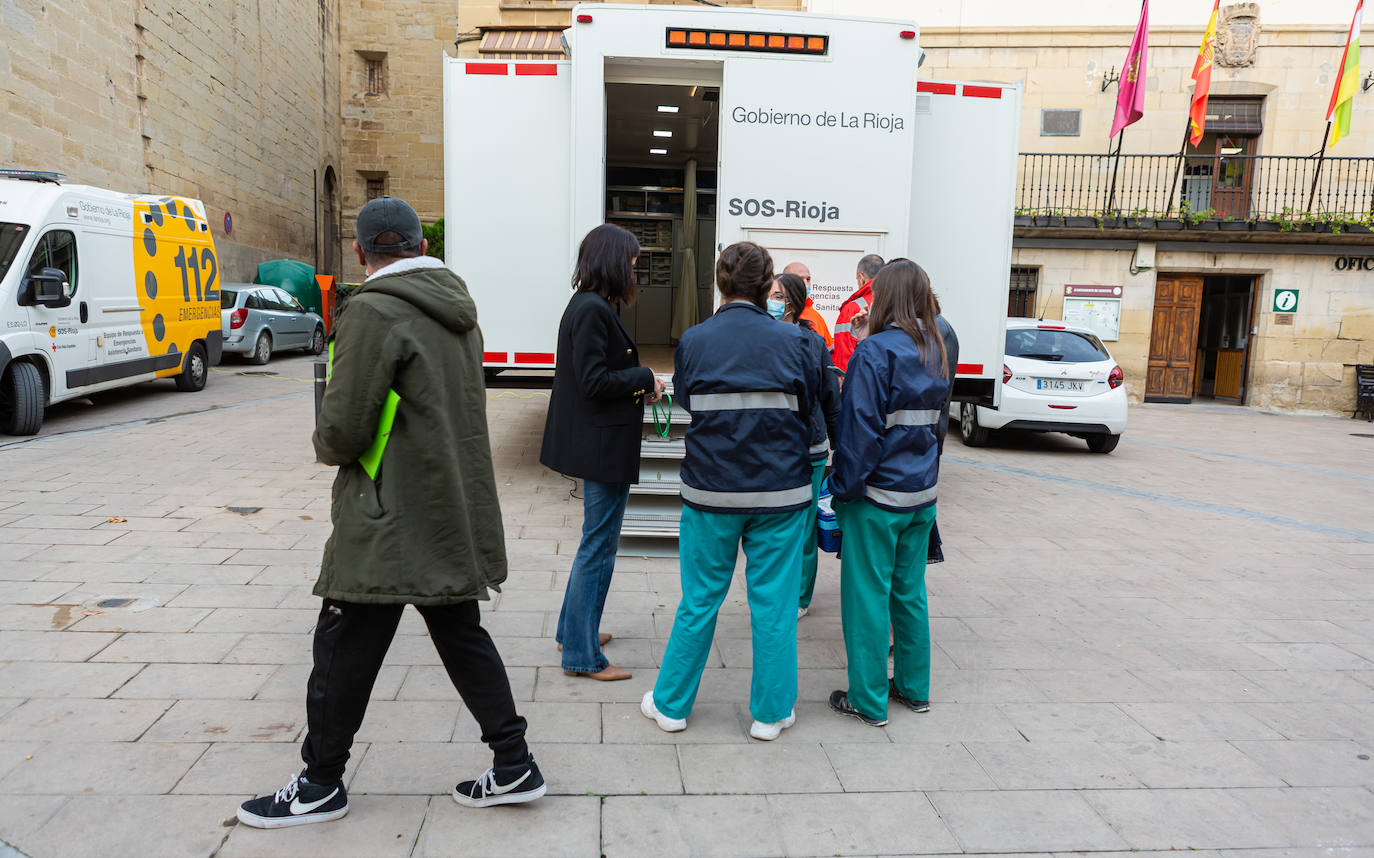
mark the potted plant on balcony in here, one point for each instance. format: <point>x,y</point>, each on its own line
<point>1022,217</point>
<point>1264,224</point>
<point>1199,219</point>
<point>1230,224</point>
<point>1047,218</point>
<point>1139,219</point>
<point>1109,220</point>
<point>1080,221</point>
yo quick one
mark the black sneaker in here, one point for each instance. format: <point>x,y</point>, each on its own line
<point>502,785</point>
<point>298,803</point>
<point>913,705</point>
<point>839,701</point>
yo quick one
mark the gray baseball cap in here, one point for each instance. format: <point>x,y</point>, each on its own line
<point>388,214</point>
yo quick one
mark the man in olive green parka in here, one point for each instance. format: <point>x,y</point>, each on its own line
<point>424,529</point>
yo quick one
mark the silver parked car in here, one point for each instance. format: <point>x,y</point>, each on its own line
<point>258,320</point>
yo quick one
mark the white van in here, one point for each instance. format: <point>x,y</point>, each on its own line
<point>98,290</point>
<point>698,127</point>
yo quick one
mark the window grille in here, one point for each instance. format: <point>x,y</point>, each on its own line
<point>376,77</point>
<point>376,188</point>
<point>1021,295</point>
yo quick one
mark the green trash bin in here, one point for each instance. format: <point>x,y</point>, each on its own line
<point>294,277</point>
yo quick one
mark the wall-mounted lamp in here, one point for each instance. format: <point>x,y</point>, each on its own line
<point>1368,83</point>
<point>1110,78</point>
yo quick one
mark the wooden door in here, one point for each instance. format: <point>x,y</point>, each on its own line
<point>1173,338</point>
<point>1231,176</point>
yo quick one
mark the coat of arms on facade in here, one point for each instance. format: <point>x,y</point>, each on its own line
<point>1238,35</point>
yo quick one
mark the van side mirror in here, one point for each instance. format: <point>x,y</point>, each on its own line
<point>49,288</point>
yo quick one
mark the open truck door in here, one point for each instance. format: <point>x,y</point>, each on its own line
<point>507,201</point>
<point>963,195</point>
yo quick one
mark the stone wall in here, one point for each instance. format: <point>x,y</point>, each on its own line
<point>1306,367</point>
<point>231,103</point>
<point>397,135</point>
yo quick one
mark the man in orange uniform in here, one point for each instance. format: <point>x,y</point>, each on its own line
<point>853,316</point>
<point>809,312</point>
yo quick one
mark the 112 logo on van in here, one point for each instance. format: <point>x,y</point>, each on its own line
<point>794,209</point>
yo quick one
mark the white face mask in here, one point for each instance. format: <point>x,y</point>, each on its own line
<point>777,309</point>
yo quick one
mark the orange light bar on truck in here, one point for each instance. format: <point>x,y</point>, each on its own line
<point>733,40</point>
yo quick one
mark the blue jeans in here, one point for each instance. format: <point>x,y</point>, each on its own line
<point>603,508</point>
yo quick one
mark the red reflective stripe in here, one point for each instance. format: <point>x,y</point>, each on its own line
<point>536,68</point>
<point>969,369</point>
<point>485,68</point>
<point>935,88</point>
<point>495,357</point>
<point>534,357</point>
<point>1064,407</point>
<point>983,91</point>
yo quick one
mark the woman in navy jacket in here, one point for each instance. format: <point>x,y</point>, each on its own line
<point>886,467</point>
<point>750,385</point>
<point>593,429</point>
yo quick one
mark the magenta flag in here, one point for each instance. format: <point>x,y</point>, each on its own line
<point>1130,99</point>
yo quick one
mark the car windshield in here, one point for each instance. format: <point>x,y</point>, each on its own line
<point>11,237</point>
<point>1051,345</point>
<point>227,299</point>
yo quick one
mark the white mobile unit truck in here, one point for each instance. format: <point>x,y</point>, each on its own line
<point>695,128</point>
<point>808,134</point>
<point>98,290</point>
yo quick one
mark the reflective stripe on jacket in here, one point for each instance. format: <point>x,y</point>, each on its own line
<point>844,340</point>
<point>750,384</point>
<point>886,448</point>
<point>827,407</point>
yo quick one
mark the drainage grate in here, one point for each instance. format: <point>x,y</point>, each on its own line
<point>244,510</point>
<point>114,603</point>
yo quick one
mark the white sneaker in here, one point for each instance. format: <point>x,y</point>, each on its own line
<point>801,612</point>
<point>666,724</point>
<point>768,732</point>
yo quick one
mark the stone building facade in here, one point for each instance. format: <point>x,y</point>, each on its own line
<point>231,103</point>
<point>1276,59</point>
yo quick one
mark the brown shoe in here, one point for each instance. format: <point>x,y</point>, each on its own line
<point>609,673</point>
<point>603,637</point>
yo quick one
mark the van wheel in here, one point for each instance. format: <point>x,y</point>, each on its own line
<point>21,399</point>
<point>197,370</point>
<point>262,350</point>
<point>970,432</point>
<point>1103,443</point>
<point>317,342</point>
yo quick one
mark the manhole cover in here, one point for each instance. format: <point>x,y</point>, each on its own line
<point>244,510</point>
<point>133,604</point>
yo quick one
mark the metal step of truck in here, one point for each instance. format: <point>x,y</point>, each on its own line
<point>652,516</point>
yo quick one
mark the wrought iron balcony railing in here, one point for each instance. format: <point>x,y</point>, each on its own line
<point>1288,190</point>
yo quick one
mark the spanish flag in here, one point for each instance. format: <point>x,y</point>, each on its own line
<point>1347,80</point>
<point>1202,79</point>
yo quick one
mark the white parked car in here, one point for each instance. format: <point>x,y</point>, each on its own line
<point>1056,378</point>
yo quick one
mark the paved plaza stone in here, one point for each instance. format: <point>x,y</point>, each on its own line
<point>1167,648</point>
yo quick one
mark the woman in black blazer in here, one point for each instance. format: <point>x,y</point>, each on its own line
<point>593,431</point>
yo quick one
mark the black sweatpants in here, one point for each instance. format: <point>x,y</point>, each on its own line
<point>351,641</point>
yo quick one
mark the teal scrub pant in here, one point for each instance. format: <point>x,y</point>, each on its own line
<point>882,585</point>
<point>709,543</point>
<point>808,574</point>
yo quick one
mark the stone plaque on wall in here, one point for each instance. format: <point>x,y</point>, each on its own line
<point>1238,35</point>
